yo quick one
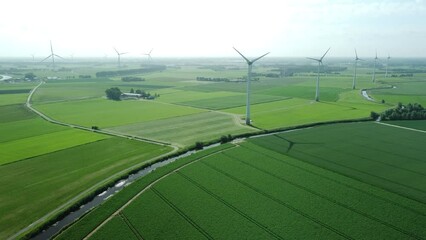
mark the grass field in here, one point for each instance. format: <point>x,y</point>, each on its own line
<point>51,179</point>
<point>106,113</point>
<point>302,185</point>
<point>186,130</point>
<point>420,125</point>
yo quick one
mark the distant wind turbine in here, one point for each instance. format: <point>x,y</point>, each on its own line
<point>250,65</point>
<point>387,64</point>
<point>119,55</point>
<point>374,70</point>
<point>319,63</point>
<point>32,55</point>
<point>356,62</point>
<point>149,54</point>
<point>52,55</point>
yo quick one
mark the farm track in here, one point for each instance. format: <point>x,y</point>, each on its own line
<point>130,225</point>
<point>145,189</point>
<point>406,128</point>
<point>182,214</point>
<point>94,187</point>
<point>235,209</point>
<point>326,198</point>
<point>363,172</point>
<point>284,204</point>
<point>340,183</point>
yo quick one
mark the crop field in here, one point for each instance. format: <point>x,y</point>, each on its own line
<point>43,166</point>
<point>318,183</point>
<point>186,130</point>
<point>419,125</point>
<point>103,113</point>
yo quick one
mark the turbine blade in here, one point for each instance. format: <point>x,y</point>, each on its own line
<point>356,54</point>
<point>59,56</point>
<point>51,48</point>
<point>248,61</point>
<point>325,53</point>
<point>151,51</point>
<point>314,59</point>
<point>123,53</point>
<point>116,51</point>
<point>254,60</point>
<point>46,58</point>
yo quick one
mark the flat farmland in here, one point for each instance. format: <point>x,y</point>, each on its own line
<point>188,129</point>
<point>297,111</point>
<point>302,184</point>
<point>54,178</point>
<point>104,113</point>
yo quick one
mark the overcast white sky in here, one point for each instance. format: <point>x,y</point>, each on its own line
<point>200,28</point>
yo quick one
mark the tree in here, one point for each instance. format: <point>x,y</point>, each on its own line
<point>31,76</point>
<point>132,91</point>
<point>113,93</point>
<point>199,145</point>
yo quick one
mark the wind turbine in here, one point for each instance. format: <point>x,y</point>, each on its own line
<point>119,55</point>
<point>52,55</point>
<point>149,54</point>
<point>374,70</point>
<point>387,64</point>
<point>250,65</point>
<point>32,55</point>
<point>356,61</point>
<point>319,63</point>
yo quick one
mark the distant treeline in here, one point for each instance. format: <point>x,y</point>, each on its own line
<point>213,79</point>
<point>403,75</point>
<point>403,112</point>
<point>153,68</point>
<point>132,79</point>
<point>269,75</point>
<point>290,70</point>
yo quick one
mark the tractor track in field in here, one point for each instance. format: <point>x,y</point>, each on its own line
<point>401,127</point>
<point>149,186</point>
<point>327,198</point>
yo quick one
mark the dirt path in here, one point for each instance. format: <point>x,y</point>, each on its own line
<point>406,128</point>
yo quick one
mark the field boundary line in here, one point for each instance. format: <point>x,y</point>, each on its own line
<point>235,209</point>
<point>341,183</point>
<point>333,201</point>
<point>182,214</point>
<point>130,225</point>
<point>148,187</point>
<point>396,126</point>
<point>279,202</point>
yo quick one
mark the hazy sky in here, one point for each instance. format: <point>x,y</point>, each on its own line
<point>199,28</point>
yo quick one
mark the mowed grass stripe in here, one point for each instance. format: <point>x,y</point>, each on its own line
<point>348,206</point>
<point>38,145</point>
<point>15,130</point>
<point>188,129</point>
<point>328,214</point>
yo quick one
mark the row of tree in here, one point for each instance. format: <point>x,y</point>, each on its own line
<point>148,69</point>
<point>132,79</point>
<point>402,112</point>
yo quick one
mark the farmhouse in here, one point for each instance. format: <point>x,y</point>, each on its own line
<point>131,95</point>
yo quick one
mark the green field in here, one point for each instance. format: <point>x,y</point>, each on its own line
<point>188,129</point>
<point>302,184</point>
<point>360,180</point>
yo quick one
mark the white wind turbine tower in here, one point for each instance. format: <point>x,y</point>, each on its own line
<point>356,62</point>
<point>52,55</point>
<point>149,54</point>
<point>319,63</point>
<point>387,64</point>
<point>250,65</point>
<point>119,56</point>
<point>374,70</point>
